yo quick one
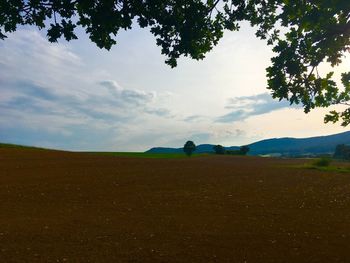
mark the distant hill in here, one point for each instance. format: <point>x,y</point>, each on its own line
<point>278,146</point>
<point>303,146</point>
<point>10,145</point>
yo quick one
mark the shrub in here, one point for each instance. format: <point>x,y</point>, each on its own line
<point>234,152</point>
<point>322,162</point>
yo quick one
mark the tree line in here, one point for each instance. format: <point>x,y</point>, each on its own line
<point>190,147</point>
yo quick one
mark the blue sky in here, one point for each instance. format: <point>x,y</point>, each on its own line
<point>75,96</point>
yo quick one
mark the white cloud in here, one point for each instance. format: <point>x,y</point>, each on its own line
<point>26,55</point>
<point>47,88</point>
<point>127,97</point>
<point>247,106</point>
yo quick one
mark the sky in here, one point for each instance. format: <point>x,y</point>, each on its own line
<point>75,96</point>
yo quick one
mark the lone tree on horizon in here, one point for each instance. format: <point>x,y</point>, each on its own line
<point>304,35</point>
<point>189,148</point>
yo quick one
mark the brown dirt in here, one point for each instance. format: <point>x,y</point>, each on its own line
<point>75,207</point>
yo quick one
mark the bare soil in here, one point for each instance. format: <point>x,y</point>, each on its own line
<point>76,207</point>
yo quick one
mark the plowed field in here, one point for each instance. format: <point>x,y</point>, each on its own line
<point>77,207</point>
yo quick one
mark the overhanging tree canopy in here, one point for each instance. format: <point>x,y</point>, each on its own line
<point>315,31</point>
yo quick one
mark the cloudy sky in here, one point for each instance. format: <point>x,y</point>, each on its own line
<point>75,96</point>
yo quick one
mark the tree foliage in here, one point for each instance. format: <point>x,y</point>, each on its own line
<point>244,149</point>
<point>342,151</point>
<point>314,32</point>
<point>189,147</point>
<point>219,149</point>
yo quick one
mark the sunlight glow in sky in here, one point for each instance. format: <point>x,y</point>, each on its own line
<point>75,96</point>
